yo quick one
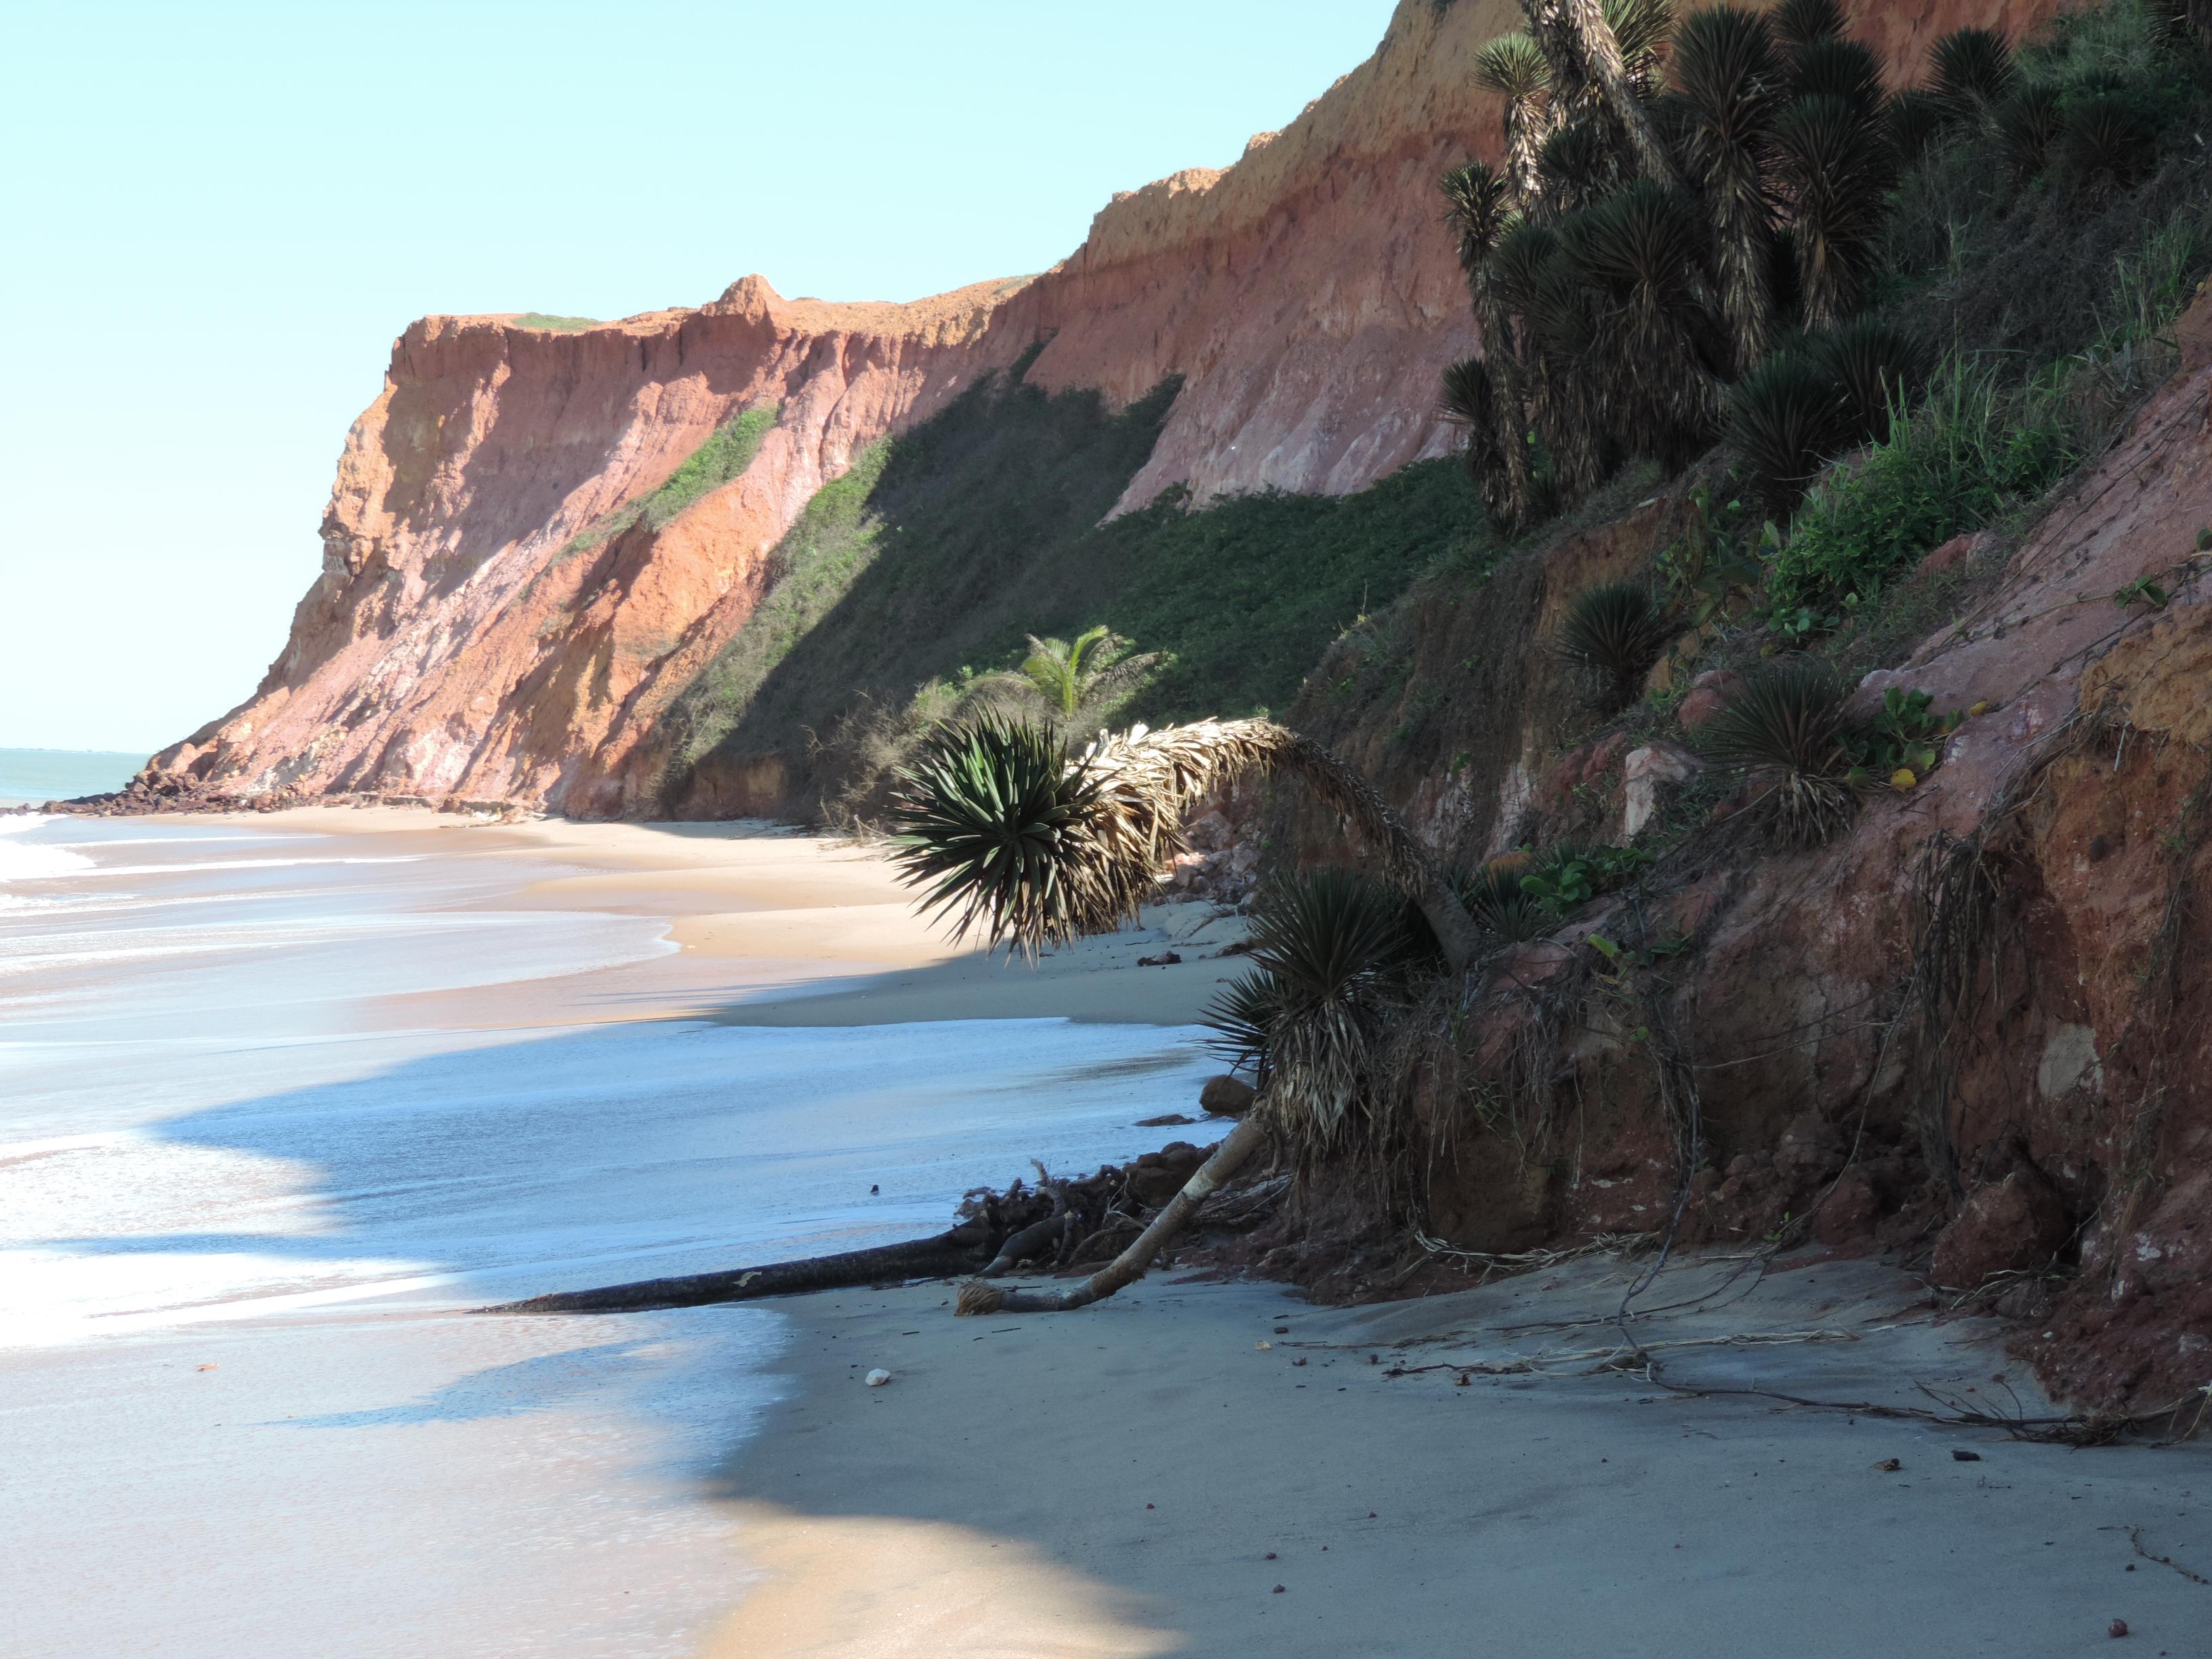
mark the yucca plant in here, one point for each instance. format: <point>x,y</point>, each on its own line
<point>1729,88</point>
<point>1789,731</point>
<point>1334,958</point>
<point>1478,206</point>
<point>1638,256</point>
<point>1614,633</point>
<point>1835,67</point>
<point>1602,62</point>
<point>1800,23</point>
<point>1494,896</point>
<point>1242,1018</point>
<point>2027,121</point>
<point>2104,139</point>
<point>1915,120</point>
<point>1487,396</point>
<point>1028,845</point>
<point>999,831</point>
<point>1642,28</point>
<point>1974,70</point>
<point>1786,418</point>
<point>1577,165</point>
<point>1875,365</point>
<point>1514,67</point>
<point>1836,165</point>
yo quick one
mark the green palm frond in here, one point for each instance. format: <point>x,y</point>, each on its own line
<point>1514,67</point>
<point>1479,204</point>
<point>1837,165</point>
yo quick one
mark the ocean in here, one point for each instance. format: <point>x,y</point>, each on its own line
<point>270,1129</point>
<point>34,776</point>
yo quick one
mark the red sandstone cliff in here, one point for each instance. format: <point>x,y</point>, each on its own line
<point>1307,294</point>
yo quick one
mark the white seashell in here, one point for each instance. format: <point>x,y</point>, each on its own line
<point>877,1378</point>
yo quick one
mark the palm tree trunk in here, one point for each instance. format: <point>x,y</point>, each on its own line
<point>977,1297</point>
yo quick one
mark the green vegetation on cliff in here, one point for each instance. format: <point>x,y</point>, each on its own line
<point>942,549</point>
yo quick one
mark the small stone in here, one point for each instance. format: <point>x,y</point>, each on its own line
<point>1278,1590</point>
<point>876,1379</point>
<point>1225,1096</point>
<point>1957,1456</point>
<point>1263,1346</point>
<point>1269,1556</point>
<point>1888,1465</point>
<point>2117,1627</point>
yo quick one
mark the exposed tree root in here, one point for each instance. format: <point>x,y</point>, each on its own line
<point>977,1297</point>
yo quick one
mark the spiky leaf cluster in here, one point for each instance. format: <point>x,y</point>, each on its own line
<point>1613,633</point>
<point>1790,732</point>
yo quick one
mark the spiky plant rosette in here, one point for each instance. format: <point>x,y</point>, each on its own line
<point>1334,953</point>
<point>1478,205</point>
<point>1800,23</point>
<point>1242,1018</point>
<point>1500,905</point>
<point>1612,633</point>
<point>2027,123</point>
<point>1836,163</point>
<point>1838,69</point>
<point>1000,832</point>
<point>1875,365</point>
<point>1915,120</point>
<point>1785,419</point>
<point>1974,70</point>
<point>1578,165</point>
<point>1641,28</point>
<point>2104,138</point>
<point>1730,86</point>
<point>1789,731</point>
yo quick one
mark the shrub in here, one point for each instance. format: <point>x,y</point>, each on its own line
<point>1615,633</point>
<point>1563,877</point>
<point>2104,139</point>
<point>1787,730</point>
<point>1971,447</point>
<point>1838,69</point>
<point>2027,123</point>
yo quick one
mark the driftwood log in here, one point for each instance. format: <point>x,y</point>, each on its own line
<point>961,1250</point>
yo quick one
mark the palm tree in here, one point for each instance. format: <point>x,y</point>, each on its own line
<point>1593,40</point>
<point>1071,683</point>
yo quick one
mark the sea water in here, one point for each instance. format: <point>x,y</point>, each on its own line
<point>34,776</point>
<point>251,1191</point>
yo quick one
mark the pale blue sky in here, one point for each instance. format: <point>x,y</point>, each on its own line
<point>218,216</point>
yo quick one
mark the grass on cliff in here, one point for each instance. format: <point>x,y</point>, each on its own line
<point>943,548</point>
<point>558,324</point>
<point>728,451</point>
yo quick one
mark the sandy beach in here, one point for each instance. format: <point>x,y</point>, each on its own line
<point>1472,1472</point>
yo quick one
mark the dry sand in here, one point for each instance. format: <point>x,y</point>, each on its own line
<point>1138,1478</point>
<point>779,928</point>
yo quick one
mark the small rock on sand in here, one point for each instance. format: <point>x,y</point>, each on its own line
<point>876,1379</point>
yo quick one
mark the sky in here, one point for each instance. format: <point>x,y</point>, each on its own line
<point>218,216</point>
